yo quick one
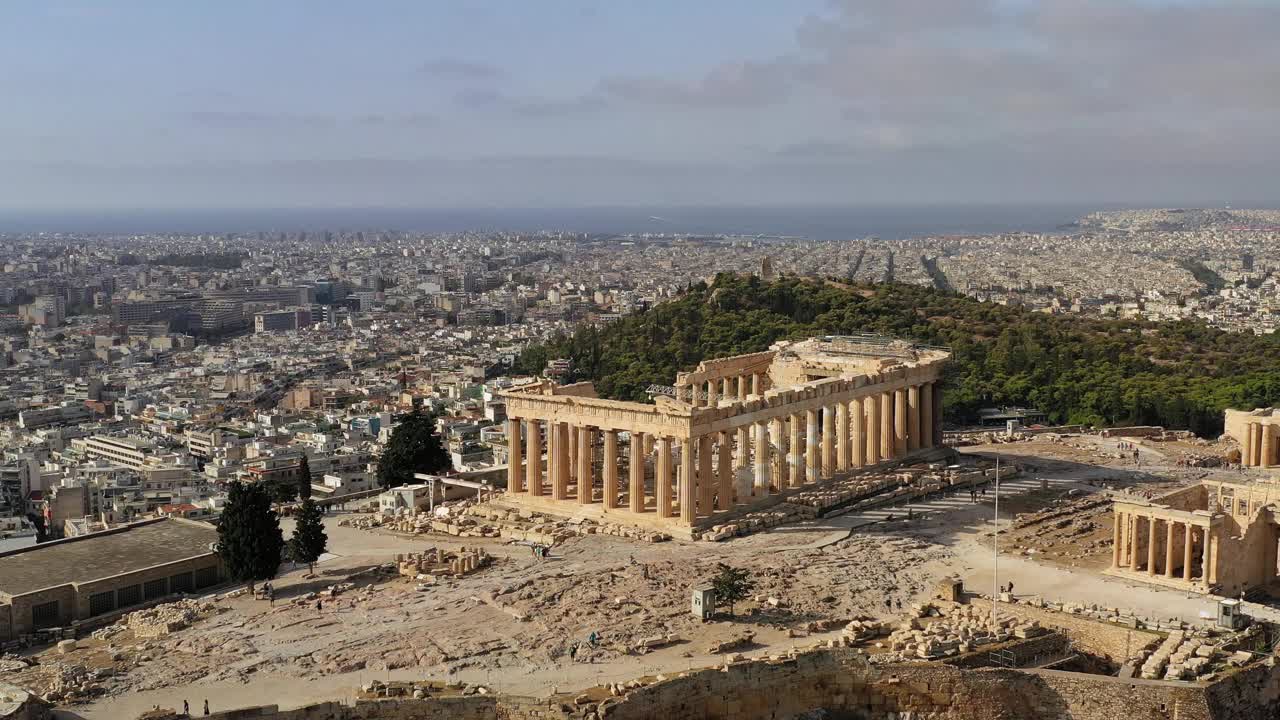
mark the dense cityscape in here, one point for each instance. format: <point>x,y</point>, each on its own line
<point>817,360</point>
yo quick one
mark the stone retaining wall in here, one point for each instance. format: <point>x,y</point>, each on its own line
<point>1101,639</point>
<point>843,682</point>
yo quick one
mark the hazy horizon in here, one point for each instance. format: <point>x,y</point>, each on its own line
<point>822,222</point>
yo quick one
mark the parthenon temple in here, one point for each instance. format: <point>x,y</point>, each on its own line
<point>1219,536</point>
<point>1257,432</point>
<point>732,435</point>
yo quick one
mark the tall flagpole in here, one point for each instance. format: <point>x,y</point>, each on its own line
<point>995,549</point>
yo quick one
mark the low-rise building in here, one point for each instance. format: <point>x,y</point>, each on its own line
<point>60,583</point>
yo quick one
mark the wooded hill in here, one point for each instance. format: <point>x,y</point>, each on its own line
<point>1077,369</point>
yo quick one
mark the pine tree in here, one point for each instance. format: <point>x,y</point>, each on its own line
<point>304,478</point>
<point>309,540</point>
<point>731,584</point>
<point>249,537</point>
<point>414,447</point>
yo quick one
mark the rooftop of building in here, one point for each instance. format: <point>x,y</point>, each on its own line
<point>101,555</point>
<point>135,443</point>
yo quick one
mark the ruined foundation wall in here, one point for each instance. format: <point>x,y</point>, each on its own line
<point>842,682</point>
<point>1250,693</point>
<point>1104,640</point>
<point>474,707</point>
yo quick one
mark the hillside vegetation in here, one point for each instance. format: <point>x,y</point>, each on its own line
<point>1077,369</point>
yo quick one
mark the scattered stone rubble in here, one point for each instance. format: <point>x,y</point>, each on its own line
<point>860,492</point>
<point>1181,657</point>
<point>488,519</point>
<point>955,629</point>
<point>159,620</point>
<point>379,690</point>
<point>757,520</point>
<point>430,564</point>
<point>1119,616</point>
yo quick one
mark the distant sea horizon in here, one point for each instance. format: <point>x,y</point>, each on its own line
<point>818,222</point>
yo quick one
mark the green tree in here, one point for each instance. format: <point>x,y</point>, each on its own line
<point>249,537</point>
<point>309,540</point>
<point>414,447</point>
<point>731,584</point>
<point>284,492</point>
<point>304,478</point>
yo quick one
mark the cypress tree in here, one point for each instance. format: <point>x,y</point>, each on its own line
<point>309,540</point>
<point>304,478</point>
<point>249,537</point>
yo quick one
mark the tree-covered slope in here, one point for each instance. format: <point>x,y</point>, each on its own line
<point>1078,369</point>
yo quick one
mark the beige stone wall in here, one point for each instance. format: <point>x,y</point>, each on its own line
<point>843,682</point>
<point>20,608</point>
<point>1104,640</point>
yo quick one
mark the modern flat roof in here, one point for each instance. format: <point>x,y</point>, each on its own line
<point>101,555</point>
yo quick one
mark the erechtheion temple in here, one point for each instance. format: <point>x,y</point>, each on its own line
<point>1218,536</point>
<point>1256,431</point>
<point>731,435</point>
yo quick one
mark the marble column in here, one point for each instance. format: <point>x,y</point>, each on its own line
<point>1188,537</point>
<point>872,405</point>
<point>757,384</point>
<point>662,477</point>
<point>706,475</point>
<point>926,415</point>
<point>1151,546</point>
<point>712,398</point>
<point>1116,540</point>
<point>533,469</point>
<point>813,460</point>
<point>1212,572</point>
<point>724,494</point>
<point>828,468</point>
<point>743,457</point>
<point>886,425</point>
<point>795,454</point>
<point>726,389</point>
<point>1204,555</point>
<point>1256,444</point>
<point>1135,546</point>
<point>1267,458</point>
<point>688,494</point>
<point>842,435</point>
<point>586,479</point>
<point>1125,559</point>
<point>609,469</point>
<point>1168,548</point>
<point>900,422</point>
<point>858,454</point>
<point>635,496</point>
<point>742,387</point>
<point>1246,445</point>
<point>762,459</point>
<point>913,417</point>
<point>560,483</point>
<point>573,452</point>
<point>515,447</point>
<point>937,414</point>
<point>777,444</point>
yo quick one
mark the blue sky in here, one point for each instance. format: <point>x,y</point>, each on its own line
<point>559,104</point>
